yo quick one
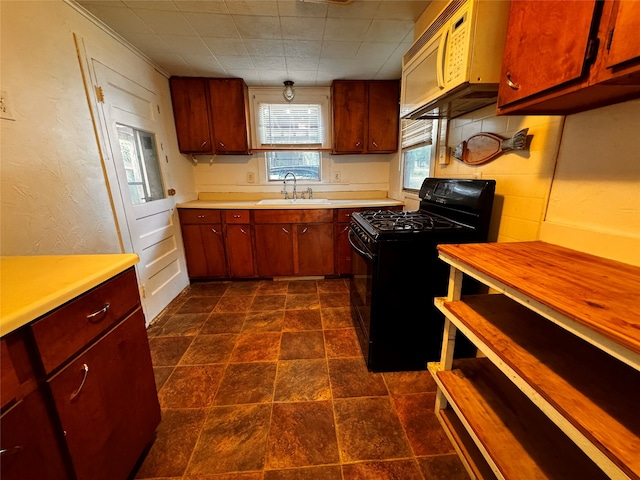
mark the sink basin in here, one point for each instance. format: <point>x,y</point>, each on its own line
<point>291,201</point>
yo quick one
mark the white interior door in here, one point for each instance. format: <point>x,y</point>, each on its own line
<point>129,114</point>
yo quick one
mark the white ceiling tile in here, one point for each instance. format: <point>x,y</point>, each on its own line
<point>302,63</point>
<point>257,27</point>
<point>346,29</point>
<point>149,43</point>
<point>332,49</point>
<point>301,48</point>
<point>270,77</point>
<point>297,8</point>
<point>188,45</point>
<point>388,31</point>
<point>168,23</point>
<point>250,77</point>
<point>234,61</point>
<point>302,28</point>
<point>202,6</point>
<point>402,9</point>
<point>269,63</point>
<point>253,7</point>
<point>376,50</point>
<point>212,24</point>
<point>226,46</point>
<point>362,10</point>
<point>302,78</point>
<point>263,46</point>
<point>120,19</point>
<point>166,5</point>
<point>204,62</point>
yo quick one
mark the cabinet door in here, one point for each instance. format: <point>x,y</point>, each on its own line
<point>545,47</point>
<point>107,403</point>
<point>29,446</point>
<point>624,49</point>
<point>274,250</point>
<point>214,250</point>
<point>239,251</point>
<point>343,250</point>
<point>315,249</point>
<point>190,110</point>
<point>229,113</point>
<point>349,100</point>
<point>204,250</point>
<point>383,116</point>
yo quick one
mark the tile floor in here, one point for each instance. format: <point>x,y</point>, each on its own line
<point>265,380</point>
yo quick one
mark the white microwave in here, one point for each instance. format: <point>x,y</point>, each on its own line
<point>454,66</point>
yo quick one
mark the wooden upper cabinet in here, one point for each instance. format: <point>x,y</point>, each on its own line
<point>189,97</point>
<point>566,57</point>
<point>366,116</point>
<point>211,115</point>
<point>229,110</point>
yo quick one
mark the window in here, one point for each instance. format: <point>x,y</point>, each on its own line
<point>416,152</point>
<point>293,134</point>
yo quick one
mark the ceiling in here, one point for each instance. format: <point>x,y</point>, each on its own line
<point>266,42</point>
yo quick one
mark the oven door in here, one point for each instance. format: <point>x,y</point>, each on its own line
<point>360,286</point>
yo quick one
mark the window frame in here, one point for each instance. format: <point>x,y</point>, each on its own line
<point>405,148</point>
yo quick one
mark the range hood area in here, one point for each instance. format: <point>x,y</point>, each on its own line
<point>454,67</point>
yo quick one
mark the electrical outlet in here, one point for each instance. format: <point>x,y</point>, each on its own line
<point>337,177</point>
<point>251,177</point>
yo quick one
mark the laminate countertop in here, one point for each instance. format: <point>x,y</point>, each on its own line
<point>271,203</point>
<point>31,286</point>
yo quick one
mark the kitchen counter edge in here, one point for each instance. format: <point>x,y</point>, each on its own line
<point>253,205</point>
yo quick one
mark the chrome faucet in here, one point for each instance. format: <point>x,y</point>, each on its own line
<point>295,186</point>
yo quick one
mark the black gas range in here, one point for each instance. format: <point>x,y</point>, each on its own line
<point>396,272</point>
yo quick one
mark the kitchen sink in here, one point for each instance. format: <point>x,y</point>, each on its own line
<point>292,201</point>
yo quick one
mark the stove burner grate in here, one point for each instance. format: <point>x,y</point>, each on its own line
<point>406,221</point>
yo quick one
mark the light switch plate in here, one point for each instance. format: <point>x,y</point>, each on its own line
<point>251,177</point>
<point>337,177</point>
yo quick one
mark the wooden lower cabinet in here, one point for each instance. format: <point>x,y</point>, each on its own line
<point>204,249</point>
<point>107,403</point>
<point>238,241</point>
<point>274,250</point>
<point>29,446</point>
<point>315,249</point>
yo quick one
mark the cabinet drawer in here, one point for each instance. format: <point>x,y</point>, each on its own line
<point>10,384</point>
<point>237,216</point>
<point>196,215</point>
<point>65,331</point>
<point>344,214</point>
<point>293,216</point>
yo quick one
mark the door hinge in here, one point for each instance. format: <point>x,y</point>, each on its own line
<point>143,292</point>
<point>610,39</point>
<point>592,50</point>
<point>100,94</point>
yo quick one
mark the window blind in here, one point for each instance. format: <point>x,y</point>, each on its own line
<point>290,124</point>
<point>416,132</point>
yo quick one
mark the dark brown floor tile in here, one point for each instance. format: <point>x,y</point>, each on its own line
<point>305,344</point>
<point>234,303</point>
<point>247,383</point>
<point>350,378</point>
<point>302,286</point>
<point>334,300</point>
<point>256,347</point>
<point>224,476</point>
<point>302,381</point>
<point>302,320</point>
<point>198,305</point>
<point>402,383</point>
<point>212,289</point>
<point>167,351</point>
<point>336,318</point>
<point>175,439</point>
<point>191,387</point>
<point>442,467</point>
<point>301,301</point>
<point>264,321</point>
<point>268,302</point>
<point>342,343</point>
<point>333,285</point>
<point>389,470</point>
<point>368,429</point>
<point>301,434</point>
<point>272,288</point>
<point>421,425</point>
<point>242,288</point>
<point>161,374</point>
<point>234,439</point>
<point>186,324</point>
<point>331,472</point>
<point>207,349</point>
<point>223,323</point>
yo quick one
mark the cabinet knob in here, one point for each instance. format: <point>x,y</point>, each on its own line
<point>201,216</point>
<point>514,86</point>
<point>236,216</point>
<point>85,372</point>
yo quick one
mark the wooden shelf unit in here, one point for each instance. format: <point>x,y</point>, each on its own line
<point>559,343</point>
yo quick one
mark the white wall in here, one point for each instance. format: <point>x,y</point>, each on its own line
<point>54,198</point>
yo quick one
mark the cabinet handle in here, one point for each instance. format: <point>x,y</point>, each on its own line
<point>285,230</point>
<point>222,145</point>
<point>304,230</point>
<point>243,231</point>
<point>345,229</point>
<point>215,231</point>
<point>236,216</point>
<point>358,144</point>
<point>515,86</point>
<point>10,451</point>
<point>375,144</point>
<point>201,216</point>
<point>85,370</point>
<point>93,315</point>
<point>203,144</point>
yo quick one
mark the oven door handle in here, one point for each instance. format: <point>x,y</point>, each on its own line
<point>362,253</point>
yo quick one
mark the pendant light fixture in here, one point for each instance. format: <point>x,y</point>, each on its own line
<point>289,92</point>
